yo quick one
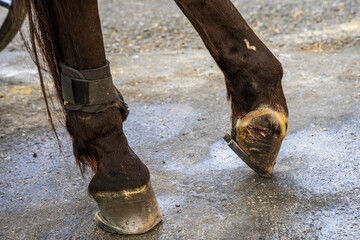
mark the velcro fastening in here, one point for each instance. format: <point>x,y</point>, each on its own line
<point>91,90</point>
<point>88,92</point>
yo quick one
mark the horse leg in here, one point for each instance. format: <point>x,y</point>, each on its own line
<point>69,35</point>
<point>252,75</point>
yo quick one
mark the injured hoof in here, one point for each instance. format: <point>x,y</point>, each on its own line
<point>257,137</point>
<point>129,211</point>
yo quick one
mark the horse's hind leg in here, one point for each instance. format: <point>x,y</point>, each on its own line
<point>70,33</point>
<point>253,79</point>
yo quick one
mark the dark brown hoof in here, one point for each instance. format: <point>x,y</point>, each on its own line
<point>133,211</point>
<point>258,137</point>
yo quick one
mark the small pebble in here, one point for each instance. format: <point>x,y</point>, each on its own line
<point>177,205</point>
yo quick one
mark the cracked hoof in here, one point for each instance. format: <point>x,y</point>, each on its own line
<point>133,211</point>
<point>259,135</point>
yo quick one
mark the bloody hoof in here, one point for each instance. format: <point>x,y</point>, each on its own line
<point>258,137</point>
<point>133,211</point>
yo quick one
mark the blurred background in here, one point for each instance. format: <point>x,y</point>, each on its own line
<point>142,26</point>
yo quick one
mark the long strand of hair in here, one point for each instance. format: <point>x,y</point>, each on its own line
<point>43,51</point>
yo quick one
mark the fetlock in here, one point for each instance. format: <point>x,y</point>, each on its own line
<point>99,139</point>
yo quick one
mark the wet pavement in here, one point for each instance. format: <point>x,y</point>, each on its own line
<point>179,115</point>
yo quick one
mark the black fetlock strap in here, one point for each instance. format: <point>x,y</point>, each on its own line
<point>91,90</point>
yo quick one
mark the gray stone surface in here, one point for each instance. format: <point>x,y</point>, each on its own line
<point>179,115</point>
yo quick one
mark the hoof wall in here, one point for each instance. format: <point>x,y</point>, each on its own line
<point>129,211</point>
<point>106,226</point>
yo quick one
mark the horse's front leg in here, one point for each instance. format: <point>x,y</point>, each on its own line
<point>253,79</point>
<point>71,33</point>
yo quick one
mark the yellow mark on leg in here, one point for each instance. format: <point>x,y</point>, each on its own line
<point>249,46</point>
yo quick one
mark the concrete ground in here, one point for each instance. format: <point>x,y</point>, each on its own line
<point>179,115</point>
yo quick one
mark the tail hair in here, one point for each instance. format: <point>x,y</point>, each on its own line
<point>39,39</point>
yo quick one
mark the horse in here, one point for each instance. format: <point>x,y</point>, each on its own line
<point>65,41</point>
